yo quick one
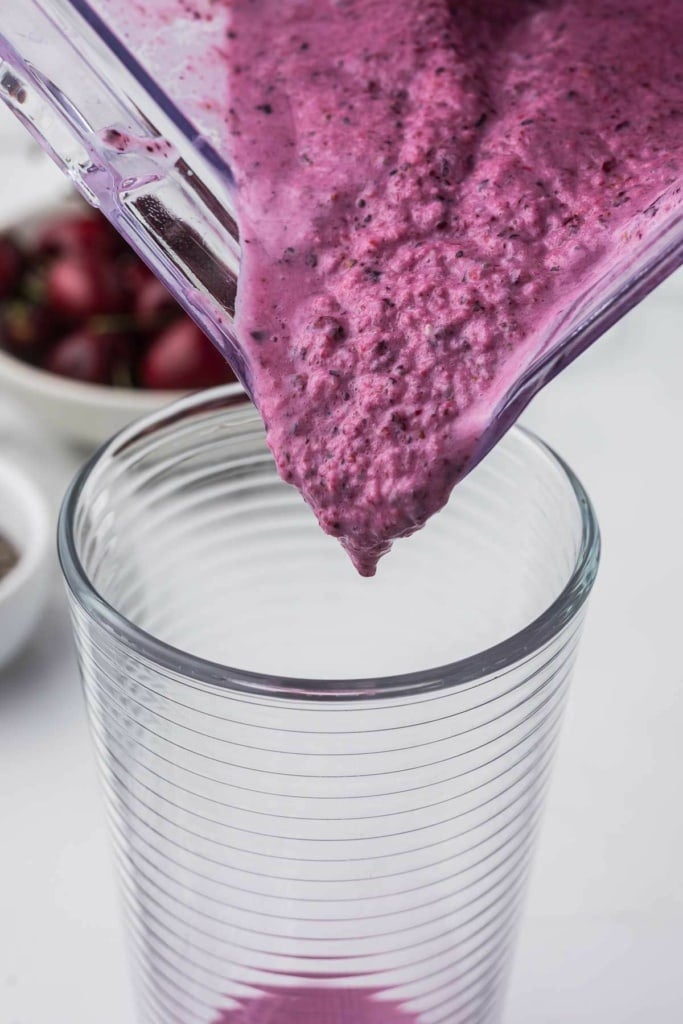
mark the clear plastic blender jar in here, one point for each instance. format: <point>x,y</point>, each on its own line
<point>129,105</point>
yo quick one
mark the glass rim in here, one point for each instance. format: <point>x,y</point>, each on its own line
<point>512,650</point>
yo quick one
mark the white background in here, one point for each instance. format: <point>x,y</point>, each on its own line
<point>602,937</point>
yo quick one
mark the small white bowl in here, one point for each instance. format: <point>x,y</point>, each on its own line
<point>84,414</point>
<point>26,523</point>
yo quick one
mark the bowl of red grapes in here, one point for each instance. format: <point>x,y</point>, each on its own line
<point>89,337</point>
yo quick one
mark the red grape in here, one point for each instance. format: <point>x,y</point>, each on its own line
<point>183,358</point>
<point>25,329</point>
<point>154,302</point>
<point>11,266</point>
<point>135,275</point>
<point>82,356</point>
<point>76,289</point>
<point>80,235</point>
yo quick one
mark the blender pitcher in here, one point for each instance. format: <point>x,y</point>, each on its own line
<point>107,95</point>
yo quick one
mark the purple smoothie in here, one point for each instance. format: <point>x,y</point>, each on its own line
<point>424,188</point>
<point>315,1006</point>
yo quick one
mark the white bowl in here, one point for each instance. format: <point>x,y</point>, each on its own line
<point>25,522</point>
<point>80,413</point>
<point>84,414</point>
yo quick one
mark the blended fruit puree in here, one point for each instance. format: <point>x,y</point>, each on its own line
<point>424,189</point>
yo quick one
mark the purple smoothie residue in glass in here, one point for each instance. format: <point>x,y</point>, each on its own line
<point>315,1006</point>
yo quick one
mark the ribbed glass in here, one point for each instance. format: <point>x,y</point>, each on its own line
<point>323,790</point>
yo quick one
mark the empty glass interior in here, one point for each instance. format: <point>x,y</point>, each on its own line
<point>185,529</point>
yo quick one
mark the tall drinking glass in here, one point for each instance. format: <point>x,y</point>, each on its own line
<point>323,790</point>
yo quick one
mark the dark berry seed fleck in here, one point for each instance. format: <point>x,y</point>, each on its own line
<point>333,330</point>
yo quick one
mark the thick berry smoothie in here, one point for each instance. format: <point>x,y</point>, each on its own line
<point>424,188</point>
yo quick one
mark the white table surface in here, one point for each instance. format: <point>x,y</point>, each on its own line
<point>602,936</point>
